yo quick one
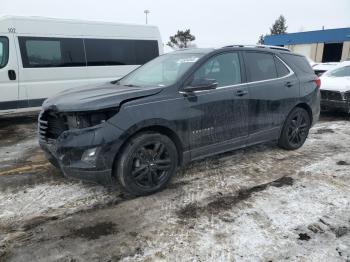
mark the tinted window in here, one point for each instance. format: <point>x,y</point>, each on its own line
<point>52,52</point>
<point>300,63</point>
<point>104,52</point>
<point>261,66</point>
<point>4,51</point>
<point>224,68</point>
<point>282,70</point>
<point>340,72</point>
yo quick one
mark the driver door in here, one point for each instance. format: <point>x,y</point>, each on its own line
<point>218,117</point>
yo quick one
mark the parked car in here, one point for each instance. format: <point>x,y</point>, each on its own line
<point>322,68</point>
<point>335,90</point>
<point>40,57</point>
<point>179,107</point>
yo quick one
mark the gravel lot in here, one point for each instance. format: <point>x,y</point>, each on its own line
<point>256,204</point>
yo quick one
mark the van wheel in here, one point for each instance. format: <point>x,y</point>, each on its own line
<point>146,164</point>
<point>295,130</point>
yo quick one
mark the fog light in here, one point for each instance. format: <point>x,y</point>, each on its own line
<point>89,156</point>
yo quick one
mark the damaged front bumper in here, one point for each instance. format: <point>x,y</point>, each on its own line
<point>84,154</point>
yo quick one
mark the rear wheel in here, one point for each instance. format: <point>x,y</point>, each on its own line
<point>295,130</point>
<point>146,164</point>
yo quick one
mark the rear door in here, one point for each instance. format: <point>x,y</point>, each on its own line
<point>273,90</point>
<point>8,73</point>
<point>218,118</point>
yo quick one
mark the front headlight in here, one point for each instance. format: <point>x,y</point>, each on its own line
<point>81,120</point>
<point>89,156</point>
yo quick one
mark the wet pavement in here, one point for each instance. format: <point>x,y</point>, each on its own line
<point>256,204</point>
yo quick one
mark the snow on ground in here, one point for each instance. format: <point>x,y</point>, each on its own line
<point>52,199</point>
<point>271,225</point>
<point>12,153</point>
<point>256,204</point>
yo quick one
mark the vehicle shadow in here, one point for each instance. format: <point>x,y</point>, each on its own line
<point>328,116</point>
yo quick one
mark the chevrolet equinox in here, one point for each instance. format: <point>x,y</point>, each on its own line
<point>179,107</point>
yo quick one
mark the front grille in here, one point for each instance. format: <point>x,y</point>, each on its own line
<point>331,95</point>
<point>42,128</point>
<point>51,125</point>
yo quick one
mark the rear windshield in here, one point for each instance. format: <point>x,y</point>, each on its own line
<point>4,51</point>
<point>300,63</point>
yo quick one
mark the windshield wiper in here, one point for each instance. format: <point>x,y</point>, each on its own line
<point>115,82</point>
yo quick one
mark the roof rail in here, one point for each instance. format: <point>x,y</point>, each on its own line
<point>262,46</point>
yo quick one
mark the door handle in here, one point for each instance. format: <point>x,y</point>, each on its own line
<point>288,84</point>
<point>241,92</point>
<point>12,74</point>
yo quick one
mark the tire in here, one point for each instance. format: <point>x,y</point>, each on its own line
<point>146,164</point>
<point>295,129</point>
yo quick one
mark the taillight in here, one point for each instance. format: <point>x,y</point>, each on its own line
<point>318,82</point>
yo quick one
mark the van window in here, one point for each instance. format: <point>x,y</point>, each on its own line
<point>224,68</point>
<point>51,52</point>
<point>4,51</point>
<point>106,52</point>
<point>261,66</point>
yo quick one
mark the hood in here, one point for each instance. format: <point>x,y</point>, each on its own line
<point>91,98</point>
<point>341,84</point>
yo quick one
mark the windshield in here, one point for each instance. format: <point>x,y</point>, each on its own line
<point>162,71</point>
<point>340,72</point>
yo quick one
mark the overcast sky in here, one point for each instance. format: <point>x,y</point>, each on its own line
<point>213,22</point>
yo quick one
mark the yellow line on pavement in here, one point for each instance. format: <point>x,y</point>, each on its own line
<point>22,169</point>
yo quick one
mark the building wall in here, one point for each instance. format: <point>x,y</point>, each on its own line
<point>346,51</point>
<point>311,43</point>
<point>319,52</point>
<point>315,51</point>
<point>305,50</point>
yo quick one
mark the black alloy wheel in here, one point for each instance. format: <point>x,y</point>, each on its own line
<point>147,163</point>
<point>295,130</point>
<point>150,164</point>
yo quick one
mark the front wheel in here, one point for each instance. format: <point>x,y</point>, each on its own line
<point>146,164</point>
<point>295,130</point>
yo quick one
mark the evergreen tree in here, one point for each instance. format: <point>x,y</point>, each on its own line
<point>182,39</point>
<point>279,27</point>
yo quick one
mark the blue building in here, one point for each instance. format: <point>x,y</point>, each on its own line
<point>330,45</point>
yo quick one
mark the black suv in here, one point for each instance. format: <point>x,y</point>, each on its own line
<point>179,107</point>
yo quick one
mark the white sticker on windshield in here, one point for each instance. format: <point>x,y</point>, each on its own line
<point>187,60</point>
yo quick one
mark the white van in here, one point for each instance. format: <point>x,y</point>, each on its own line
<point>40,57</point>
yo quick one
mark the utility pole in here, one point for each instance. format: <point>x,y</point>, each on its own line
<point>146,13</point>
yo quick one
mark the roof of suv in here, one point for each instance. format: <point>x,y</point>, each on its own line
<point>275,49</point>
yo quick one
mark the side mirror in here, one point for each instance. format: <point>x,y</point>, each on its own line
<point>201,84</point>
